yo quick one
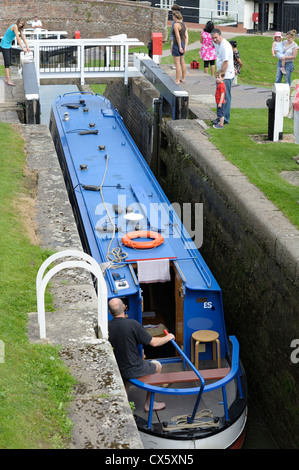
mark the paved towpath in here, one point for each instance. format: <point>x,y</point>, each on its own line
<point>201,88</point>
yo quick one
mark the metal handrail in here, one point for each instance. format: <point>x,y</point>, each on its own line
<point>79,47</point>
<point>152,392</point>
<point>234,372</point>
<point>92,266</point>
<point>190,419</point>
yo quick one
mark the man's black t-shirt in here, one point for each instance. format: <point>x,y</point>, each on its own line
<point>124,336</point>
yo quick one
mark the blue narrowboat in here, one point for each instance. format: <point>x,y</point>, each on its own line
<point>127,224</point>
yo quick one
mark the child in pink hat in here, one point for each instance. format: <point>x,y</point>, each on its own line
<point>277,50</point>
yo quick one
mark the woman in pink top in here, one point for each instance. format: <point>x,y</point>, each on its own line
<point>296,115</point>
<point>207,52</point>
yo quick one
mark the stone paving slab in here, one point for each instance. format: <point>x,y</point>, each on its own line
<point>201,88</point>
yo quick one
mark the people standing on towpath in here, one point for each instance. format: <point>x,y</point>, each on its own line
<point>179,47</point>
<point>207,52</point>
<point>225,62</point>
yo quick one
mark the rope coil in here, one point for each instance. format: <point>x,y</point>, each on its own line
<point>203,419</point>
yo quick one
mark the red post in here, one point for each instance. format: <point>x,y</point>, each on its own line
<point>157,46</point>
<point>77,34</point>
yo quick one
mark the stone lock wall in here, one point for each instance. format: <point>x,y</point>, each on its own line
<point>247,245</point>
<point>243,244</point>
<point>135,104</point>
<point>94,19</point>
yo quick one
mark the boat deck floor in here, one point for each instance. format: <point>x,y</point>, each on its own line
<point>178,405</point>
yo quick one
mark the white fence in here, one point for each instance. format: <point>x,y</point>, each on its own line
<point>221,16</point>
<point>30,34</point>
<point>84,58</point>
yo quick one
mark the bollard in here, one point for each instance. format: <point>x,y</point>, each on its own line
<point>150,49</point>
<point>271,113</point>
<point>77,34</point>
<point>278,108</point>
<point>157,47</point>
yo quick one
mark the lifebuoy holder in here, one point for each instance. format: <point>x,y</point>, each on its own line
<point>156,239</point>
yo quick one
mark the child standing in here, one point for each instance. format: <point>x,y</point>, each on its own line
<point>278,50</point>
<point>237,61</point>
<point>219,98</point>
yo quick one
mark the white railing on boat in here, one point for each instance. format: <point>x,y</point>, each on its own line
<point>234,373</point>
<point>84,58</point>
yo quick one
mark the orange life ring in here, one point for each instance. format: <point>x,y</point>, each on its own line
<point>156,239</point>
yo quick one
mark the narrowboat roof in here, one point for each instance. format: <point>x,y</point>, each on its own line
<point>117,193</point>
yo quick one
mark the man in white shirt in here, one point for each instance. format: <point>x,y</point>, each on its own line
<point>224,61</point>
<point>36,25</point>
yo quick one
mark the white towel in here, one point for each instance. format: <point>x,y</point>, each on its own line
<point>153,270</point>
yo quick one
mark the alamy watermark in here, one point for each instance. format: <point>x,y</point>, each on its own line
<point>172,221</point>
<point>295,352</point>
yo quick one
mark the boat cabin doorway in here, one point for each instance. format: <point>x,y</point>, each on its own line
<point>162,308</point>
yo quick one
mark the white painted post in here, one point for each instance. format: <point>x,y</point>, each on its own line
<point>37,61</point>
<point>126,63</point>
<point>82,51</point>
<point>282,95</point>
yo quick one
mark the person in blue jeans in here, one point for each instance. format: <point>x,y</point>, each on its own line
<point>290,49</point>
<point>225,62</point>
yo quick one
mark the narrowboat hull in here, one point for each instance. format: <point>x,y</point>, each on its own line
<point>231,437</point>
<point>149,260</point>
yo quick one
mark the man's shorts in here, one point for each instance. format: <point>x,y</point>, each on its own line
<point>147,368</point>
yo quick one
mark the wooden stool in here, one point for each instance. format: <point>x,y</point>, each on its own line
<point>205,336</point>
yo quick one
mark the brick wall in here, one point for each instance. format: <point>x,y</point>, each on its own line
<point>94,19</point>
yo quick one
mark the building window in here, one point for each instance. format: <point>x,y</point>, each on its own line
<point>167,4</point>
<point>222,8</point>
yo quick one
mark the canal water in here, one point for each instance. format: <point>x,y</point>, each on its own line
<point>47,94</point>
<point>257,434</point>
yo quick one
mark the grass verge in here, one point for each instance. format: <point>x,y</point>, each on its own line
<point>259,66</point>
<point>35,386</point>
<point>259,69</point>
<point>262,163</point>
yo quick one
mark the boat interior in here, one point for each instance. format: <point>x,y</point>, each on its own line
<point>163,309</point>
